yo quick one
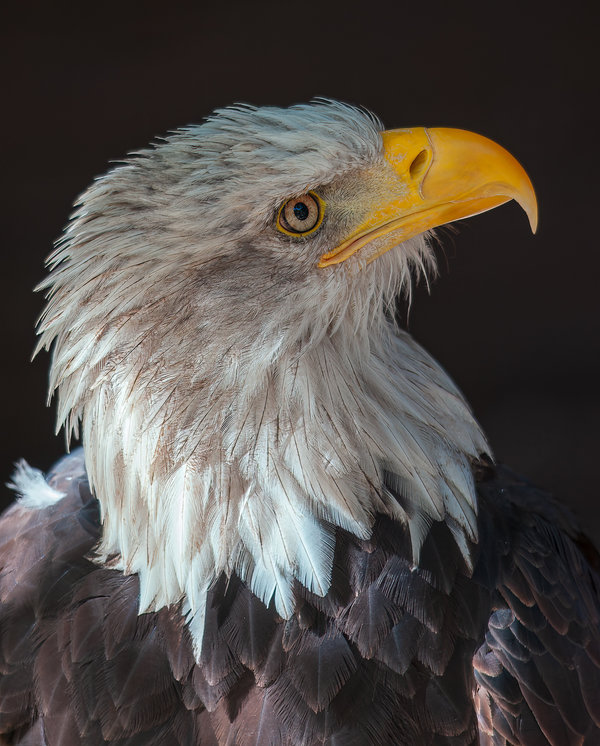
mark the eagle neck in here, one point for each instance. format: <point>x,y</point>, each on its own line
<point>253,471</point>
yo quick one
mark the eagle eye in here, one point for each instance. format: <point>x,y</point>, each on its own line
<point>301,215</point>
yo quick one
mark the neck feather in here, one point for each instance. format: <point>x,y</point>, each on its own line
<point>250,472</point>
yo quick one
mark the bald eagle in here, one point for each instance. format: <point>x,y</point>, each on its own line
<point>285,526</point>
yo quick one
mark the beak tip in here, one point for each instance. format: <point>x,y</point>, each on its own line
<point>532,214</point>
<point>533,222</point>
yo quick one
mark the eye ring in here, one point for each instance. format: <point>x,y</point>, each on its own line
<point>301,216</point>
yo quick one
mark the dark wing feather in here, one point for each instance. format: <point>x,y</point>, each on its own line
<point>78,664</point>
<point>249,628</point>
<point>256,723</point>
<point>42,554</point>
<point>319,666</point>
<point>538,677</point>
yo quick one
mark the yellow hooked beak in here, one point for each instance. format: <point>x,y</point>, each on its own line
<point>439,175</point>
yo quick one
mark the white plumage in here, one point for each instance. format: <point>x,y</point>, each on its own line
<point>237,402</point>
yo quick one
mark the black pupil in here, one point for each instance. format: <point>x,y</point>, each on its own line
<point>300,211</point>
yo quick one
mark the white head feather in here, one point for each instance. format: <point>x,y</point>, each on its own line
<point>237,402</point>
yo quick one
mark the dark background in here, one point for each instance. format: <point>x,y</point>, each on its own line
<point>513,317</point>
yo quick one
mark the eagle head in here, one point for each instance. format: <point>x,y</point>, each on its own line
<point>221,311</point>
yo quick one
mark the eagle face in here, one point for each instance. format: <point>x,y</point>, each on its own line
<point>238,380</point>
<point>198,219</point>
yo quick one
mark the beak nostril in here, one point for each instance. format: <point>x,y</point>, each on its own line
<point>419,164</point>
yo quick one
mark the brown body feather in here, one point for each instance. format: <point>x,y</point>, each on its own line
<point>393,654</point>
